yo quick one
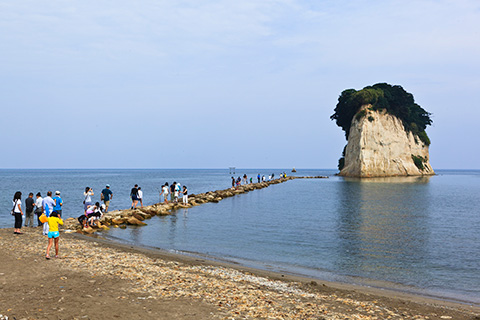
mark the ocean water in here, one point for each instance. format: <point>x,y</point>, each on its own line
<point>414,234</point>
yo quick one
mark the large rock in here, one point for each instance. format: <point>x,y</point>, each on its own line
<point>379,146</point>
<point>135,222</point>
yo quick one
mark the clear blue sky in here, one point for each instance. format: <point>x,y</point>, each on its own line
<point>212,84</point>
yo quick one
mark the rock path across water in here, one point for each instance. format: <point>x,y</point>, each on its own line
<point>123,218</point>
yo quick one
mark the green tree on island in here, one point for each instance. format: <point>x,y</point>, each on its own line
<point>383,96</point>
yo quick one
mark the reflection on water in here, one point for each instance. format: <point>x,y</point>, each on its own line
<point>382,228</point>
<point>409,179</point>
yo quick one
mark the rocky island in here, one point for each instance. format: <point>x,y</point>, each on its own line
<point>385,132</point>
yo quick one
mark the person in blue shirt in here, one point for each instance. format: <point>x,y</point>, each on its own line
<point>107,195</point>
<point>58,203</point>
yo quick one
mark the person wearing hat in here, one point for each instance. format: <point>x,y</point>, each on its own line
<point>58,203</point>
<point>106,196</point>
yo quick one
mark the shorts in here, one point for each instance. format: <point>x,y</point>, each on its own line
<point>107,203</point>
<point>53,234</point>
<point>134,198</point>
<point>86,204</point>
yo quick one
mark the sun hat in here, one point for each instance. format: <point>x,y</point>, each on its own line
<point>57,192</point>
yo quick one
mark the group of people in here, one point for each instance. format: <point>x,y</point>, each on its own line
<point>260,178</point>
<point>174,190</point>
<point>136,194</point>
<point>35,207</point>
<point>93,212</point>
<point>48,211</point>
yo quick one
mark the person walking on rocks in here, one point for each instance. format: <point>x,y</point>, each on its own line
<point>107,196</point>
<point>140,196</point>
<point>134,196</point>
<point>178,189</point>
<point>258,178</point>
<point>39,208</point>
<point>165,192</point>
<point>58,203</point>
<point>29,205</point>
<point>17,212</point>
<point>185,195</point>
<point>172,191</point>
<point>53,234</point>
<point>87,201</point>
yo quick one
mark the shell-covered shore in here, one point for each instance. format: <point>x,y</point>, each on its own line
<point>235,294</point>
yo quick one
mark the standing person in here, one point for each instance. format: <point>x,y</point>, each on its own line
<point>107,196</point>
<point>178,189</point>
<point>58,203</point>
<point>165,192</point>
<point>53,234</point>
<point>87,201</point>
<point>134,196</point>
<point>172,191</point>
<point>245,181</point>
<point>251,180</point>
<point>233,182</point>
<point>258,178</point>
<point>17,212</point>
<point>39,208</point>
<point>185,195</point>
<point>29,205</point>
<point>48,204</point>
<point>140,196</point>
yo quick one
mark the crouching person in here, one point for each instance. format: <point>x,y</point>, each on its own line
<point>94,214</point>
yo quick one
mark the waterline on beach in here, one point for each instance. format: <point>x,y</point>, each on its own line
<point>371,232</point>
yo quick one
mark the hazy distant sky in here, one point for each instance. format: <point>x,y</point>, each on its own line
<point>213,84</point>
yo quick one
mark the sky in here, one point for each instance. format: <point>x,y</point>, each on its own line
<point>216,84</point>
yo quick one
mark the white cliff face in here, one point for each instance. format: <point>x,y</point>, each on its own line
<point>380,147</point>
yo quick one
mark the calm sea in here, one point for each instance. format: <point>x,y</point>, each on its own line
<point>420,235</point>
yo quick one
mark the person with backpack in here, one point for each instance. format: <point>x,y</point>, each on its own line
<point>17,212</point>
<point>87,201</point>
<point>39,208</point>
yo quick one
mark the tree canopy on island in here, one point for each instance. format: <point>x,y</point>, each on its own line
<point>383,96</point>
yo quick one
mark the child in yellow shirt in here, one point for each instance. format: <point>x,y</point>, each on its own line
<point>53,234</point>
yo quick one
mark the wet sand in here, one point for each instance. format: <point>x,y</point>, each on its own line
<point>99,279</point>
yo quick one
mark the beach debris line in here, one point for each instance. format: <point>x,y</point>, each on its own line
<point>137,216</point>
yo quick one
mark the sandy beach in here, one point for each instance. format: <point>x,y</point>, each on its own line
<point>97,279</point>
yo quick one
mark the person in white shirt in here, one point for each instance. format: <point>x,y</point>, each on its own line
<point>165,192</point>
<point>17,212</point>
<point>39,208</point>
<point>140,196</point>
